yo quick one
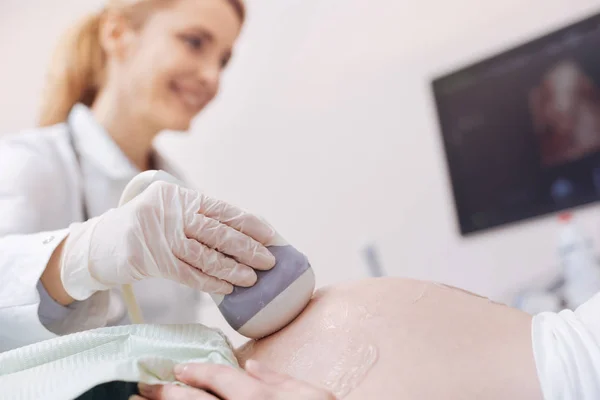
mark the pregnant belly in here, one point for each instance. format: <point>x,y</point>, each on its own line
<point>396,338</point>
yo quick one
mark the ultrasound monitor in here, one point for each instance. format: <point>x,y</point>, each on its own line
<point>521,130</point>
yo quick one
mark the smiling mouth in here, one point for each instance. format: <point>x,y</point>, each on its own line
<point>193,100</point>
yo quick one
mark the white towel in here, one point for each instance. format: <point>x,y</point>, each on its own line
<point>68,366</point>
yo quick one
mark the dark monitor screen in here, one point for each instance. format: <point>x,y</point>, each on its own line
<point>521,130</point>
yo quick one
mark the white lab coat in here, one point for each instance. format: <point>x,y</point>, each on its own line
<point>40,196</point>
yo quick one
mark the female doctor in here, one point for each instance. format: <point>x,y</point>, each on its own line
<point>126,73</point>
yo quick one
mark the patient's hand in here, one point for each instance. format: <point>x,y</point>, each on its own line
<point>259,383</point>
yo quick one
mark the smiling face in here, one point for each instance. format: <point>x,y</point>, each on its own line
<point>169,68</point>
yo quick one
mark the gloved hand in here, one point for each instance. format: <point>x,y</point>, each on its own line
<point>166,232</point>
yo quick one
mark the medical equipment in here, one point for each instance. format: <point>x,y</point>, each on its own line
<point>279,295</point>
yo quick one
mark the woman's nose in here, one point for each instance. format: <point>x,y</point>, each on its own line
<point>209,76</point>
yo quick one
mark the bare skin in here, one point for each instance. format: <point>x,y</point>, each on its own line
<point>51,278</point>
<point>404,339</point>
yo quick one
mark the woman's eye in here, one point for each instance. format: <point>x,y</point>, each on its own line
<point>195,43</point>
<point>225,61</point>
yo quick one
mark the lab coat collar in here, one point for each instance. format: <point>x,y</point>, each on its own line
<point>95,145</point>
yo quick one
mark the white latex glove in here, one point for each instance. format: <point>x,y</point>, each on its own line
<point>166,232</point>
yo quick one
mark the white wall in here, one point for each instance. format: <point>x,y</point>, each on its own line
<point>326,126</point>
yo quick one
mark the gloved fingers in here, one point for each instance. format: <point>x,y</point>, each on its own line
<point>188,275</point>
<point>230,242</point>
<point>237,219</point>
<point>215,264</point>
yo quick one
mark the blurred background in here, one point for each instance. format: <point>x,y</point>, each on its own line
<point>327,126</point>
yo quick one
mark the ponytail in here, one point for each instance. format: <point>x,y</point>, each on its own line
<point>76,72</point>
<point>77,68</point>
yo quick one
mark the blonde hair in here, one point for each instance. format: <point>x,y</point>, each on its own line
<point>76,71</point>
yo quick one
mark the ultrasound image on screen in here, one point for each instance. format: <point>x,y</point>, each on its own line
<point>565,108</point>
<point>521,130</point>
